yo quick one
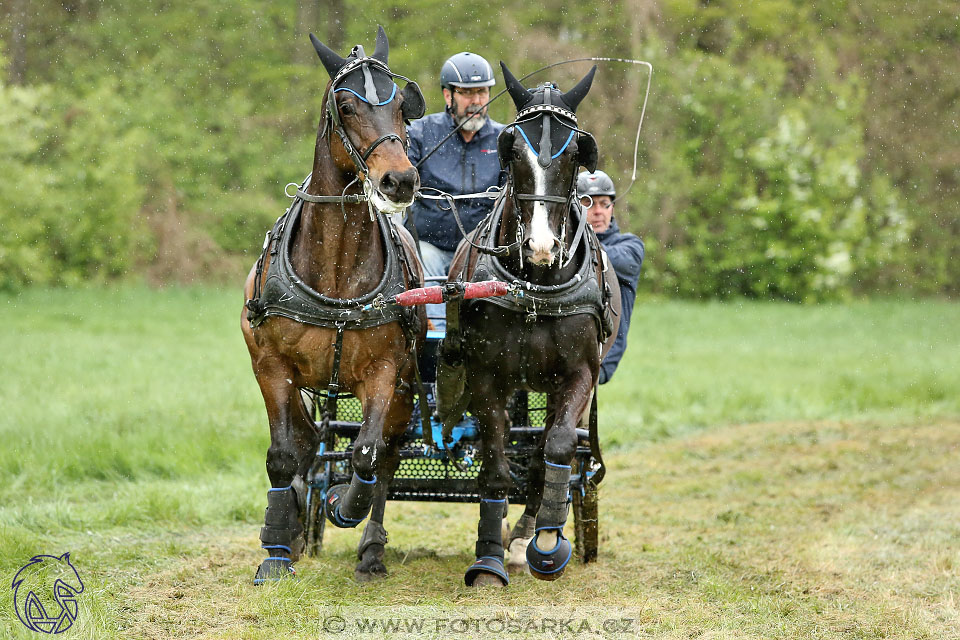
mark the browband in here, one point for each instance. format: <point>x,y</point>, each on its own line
<point>552,108</point>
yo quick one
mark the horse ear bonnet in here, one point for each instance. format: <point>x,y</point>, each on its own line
<point>549,143</point>
<point>331,60</point>
<point>573,97</point>
<point>382,50</point>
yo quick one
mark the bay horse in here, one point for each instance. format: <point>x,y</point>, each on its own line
<point>549,337</point>
<point>331,253</point>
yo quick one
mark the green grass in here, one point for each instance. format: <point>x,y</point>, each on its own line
<point>776,471</point>
<point>691,366</point>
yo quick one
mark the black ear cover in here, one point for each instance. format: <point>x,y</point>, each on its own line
<point>587,153</point>
<point>413,105</point>
<point>331,60</point>
<point>504,145</point>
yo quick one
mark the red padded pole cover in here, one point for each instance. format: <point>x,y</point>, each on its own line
<point>434,295</point>
<point>487,289</point>
<point>425,295</point>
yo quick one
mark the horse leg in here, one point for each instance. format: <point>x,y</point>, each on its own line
<point>293,441</point>
<point>525,527</point>
<point>374,538</point>
<point>348,505</point>
<point>494,479</point>
<point>549,551</point>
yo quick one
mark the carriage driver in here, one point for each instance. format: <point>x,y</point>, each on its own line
<point>624,250</point>
<point>465,163</point>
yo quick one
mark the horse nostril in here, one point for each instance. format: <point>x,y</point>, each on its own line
<point>388,184</point>
<point>400,185</point>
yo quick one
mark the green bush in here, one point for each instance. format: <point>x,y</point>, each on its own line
<point>70,194</point>
<point>769,196</point>
<point>777,160</point>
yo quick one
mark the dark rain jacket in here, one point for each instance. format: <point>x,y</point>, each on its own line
<point>625,251</point>
<point>457,168</point>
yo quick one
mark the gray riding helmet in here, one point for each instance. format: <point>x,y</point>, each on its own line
<point>597,183</point>
<point>466,70</point>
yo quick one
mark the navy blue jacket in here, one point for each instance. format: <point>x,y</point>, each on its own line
<point>457,167</point>
<point>625,252</point>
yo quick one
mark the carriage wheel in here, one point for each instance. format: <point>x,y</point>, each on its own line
<point>586,522</point>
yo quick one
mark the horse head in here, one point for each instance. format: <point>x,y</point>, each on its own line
<point>364,106</point>
<point>543,150</point>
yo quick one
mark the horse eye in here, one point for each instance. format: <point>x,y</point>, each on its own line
<point>347,109</point>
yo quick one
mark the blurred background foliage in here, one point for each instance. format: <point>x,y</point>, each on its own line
<point>793,149</point>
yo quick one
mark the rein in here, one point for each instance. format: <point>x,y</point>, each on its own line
<point>500,251</point>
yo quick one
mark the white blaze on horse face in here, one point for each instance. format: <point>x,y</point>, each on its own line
<point>542,239</point>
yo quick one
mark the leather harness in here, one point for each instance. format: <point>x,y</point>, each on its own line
<point>283,293</point>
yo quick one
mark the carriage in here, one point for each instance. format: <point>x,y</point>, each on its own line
<point>445,473</point>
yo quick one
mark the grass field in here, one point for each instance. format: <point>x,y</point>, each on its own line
<point>776,471</point>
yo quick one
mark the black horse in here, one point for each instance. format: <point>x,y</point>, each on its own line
<point>549,336</point>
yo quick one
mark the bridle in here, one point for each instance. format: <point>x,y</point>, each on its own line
<point>331,120</point>
<point>548,111</point>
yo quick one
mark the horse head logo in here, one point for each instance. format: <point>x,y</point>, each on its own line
<point>34,583</point>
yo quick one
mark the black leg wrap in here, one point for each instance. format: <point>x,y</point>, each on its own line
<point>281,521</point>
<point>548,564</point>
<point>282,534</point>
<point>556,496</point>
<point>347,505</point>
<point>489,543</point>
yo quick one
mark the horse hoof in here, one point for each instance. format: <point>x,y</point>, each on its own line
<point>370,573</point>
<point>548,564</point>
<point>371,565</point>
<point>517,563</point>
<point>331,507</point>
<point>487,570</point>
<point>489,580</point>
<point>273,570</point>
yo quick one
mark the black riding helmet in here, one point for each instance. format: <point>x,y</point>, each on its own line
<point>466,70</point>
<point>597,183</point>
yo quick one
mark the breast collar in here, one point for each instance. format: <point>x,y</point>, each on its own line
<point>583,293</point>
<point>285,294</point>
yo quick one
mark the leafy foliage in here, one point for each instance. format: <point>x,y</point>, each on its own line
<point>792,150</point>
